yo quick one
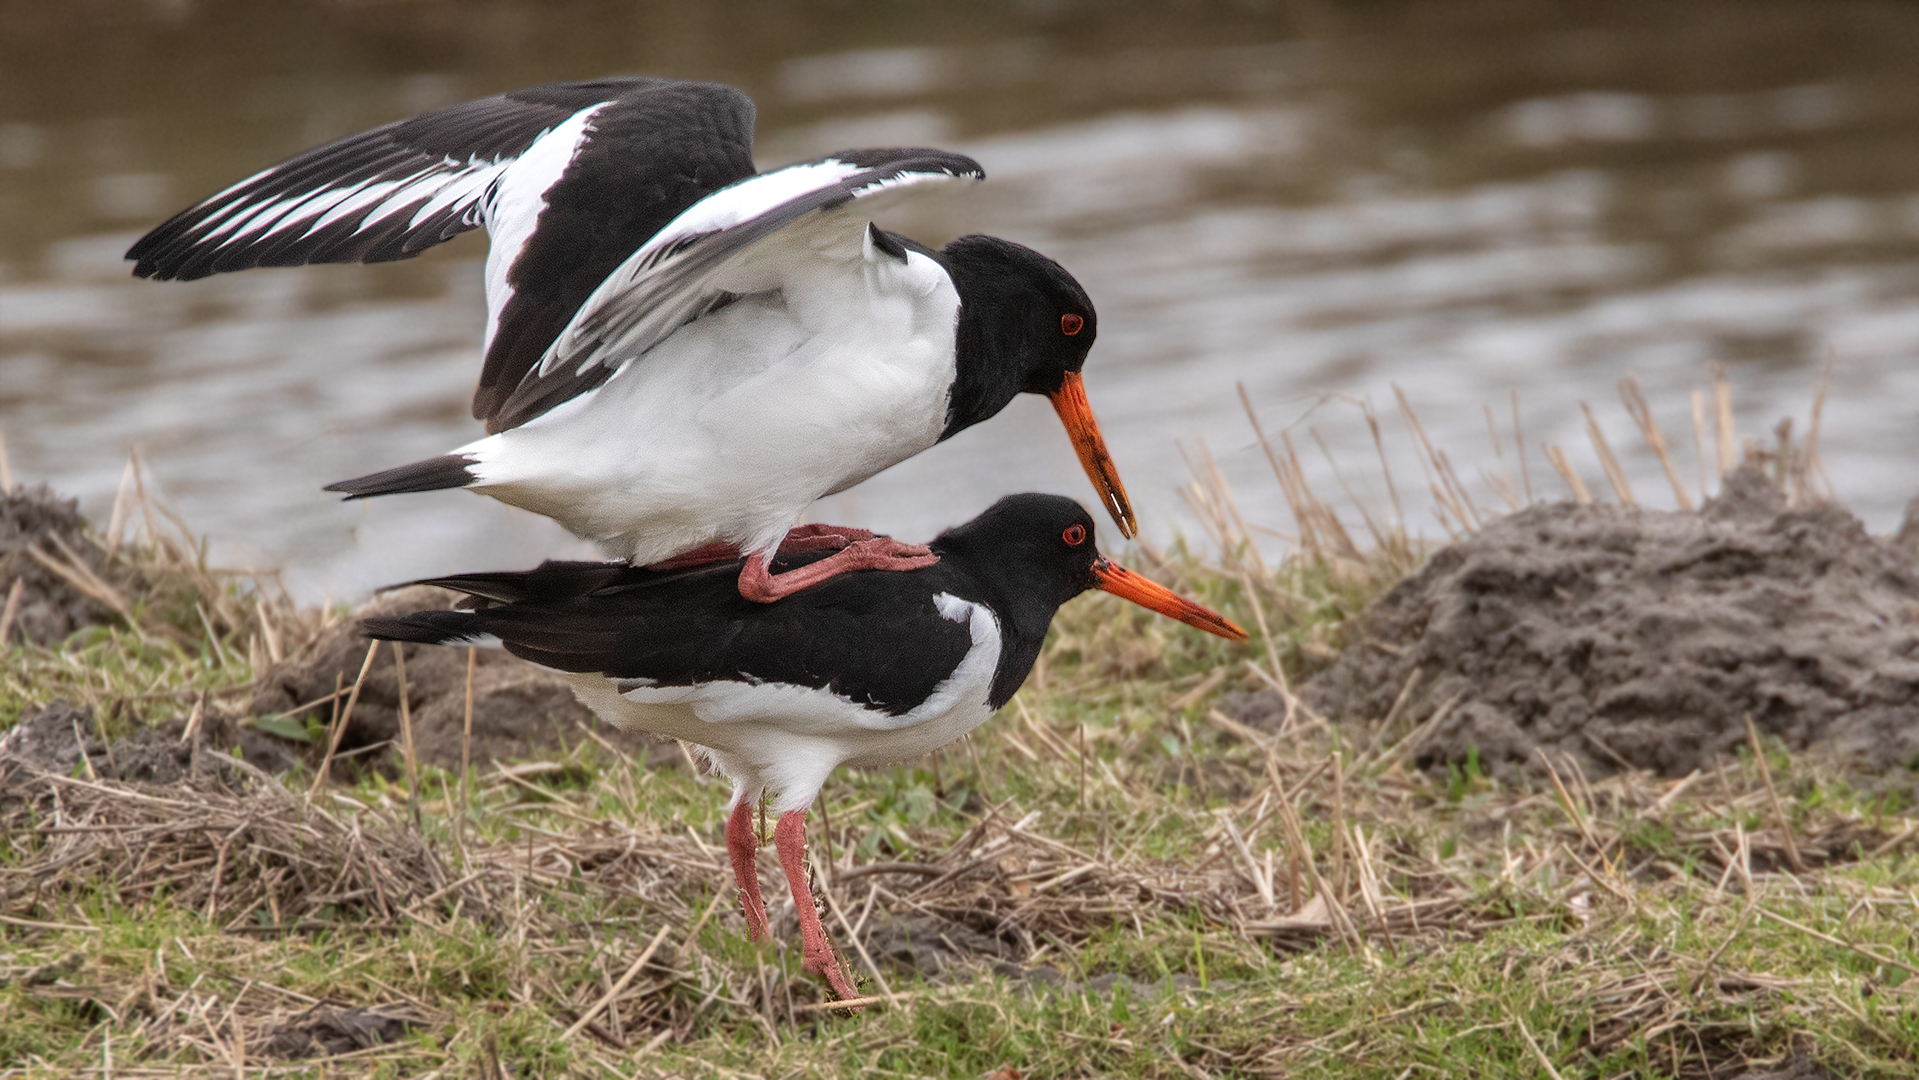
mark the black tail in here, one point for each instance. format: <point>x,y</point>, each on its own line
<point>425,627</point>
<point>433,474</point>
<point>552,580</point>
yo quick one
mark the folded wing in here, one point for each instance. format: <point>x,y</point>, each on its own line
<point>717,249</point>
<point>852,636</point>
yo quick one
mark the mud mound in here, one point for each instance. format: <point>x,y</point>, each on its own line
<point>49,608</point>
<point>1643,639</point>
<point>55,738</point>
<point>519,710</point>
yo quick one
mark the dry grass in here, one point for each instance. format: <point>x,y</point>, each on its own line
<point>1114,877</point>
<point>1317,907</point>
<point>181,627</point>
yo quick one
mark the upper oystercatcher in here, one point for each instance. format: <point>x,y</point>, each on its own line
<point>864,669</point>
<point>680,353</point>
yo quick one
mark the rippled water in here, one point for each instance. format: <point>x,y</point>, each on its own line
<point>1462,200</point>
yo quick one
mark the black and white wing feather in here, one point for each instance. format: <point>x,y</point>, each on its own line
<point>569,178</point>
<point>381,195</point>
<point>699,262</point>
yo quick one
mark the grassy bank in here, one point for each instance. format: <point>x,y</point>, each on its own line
<point>1152,888</point>
<point>1116,877</point>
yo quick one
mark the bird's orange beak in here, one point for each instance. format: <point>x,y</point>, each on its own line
<point>1116,579</point>
<point>1077,414</point>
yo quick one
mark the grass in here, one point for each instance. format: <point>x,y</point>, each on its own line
<point>1133,884</point>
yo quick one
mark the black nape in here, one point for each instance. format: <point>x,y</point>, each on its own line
<point>1011,338</point>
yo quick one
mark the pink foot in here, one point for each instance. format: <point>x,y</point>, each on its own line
<point>817,956</point>
<point>800,538</point>
<point>742,844</point>
<point>822,538</point>
<point>760,584</point>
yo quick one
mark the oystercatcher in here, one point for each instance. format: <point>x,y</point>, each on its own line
<point>681,354</point>
<point>863,669</point>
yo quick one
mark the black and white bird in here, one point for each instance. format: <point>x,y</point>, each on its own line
<point>680,353</point>
<point>864,669</point>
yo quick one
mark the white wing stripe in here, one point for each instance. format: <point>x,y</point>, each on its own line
<point>302,208</point>
<point>241,225</point>
<point>411,192</point>
<point>748,199</point>
<point>639,304</point>
<point>519,195</point>
<point>464,190</point>
<point>356,198</point>
<point>427,192</point>
<point>253,220</point>
<point>231,188</point>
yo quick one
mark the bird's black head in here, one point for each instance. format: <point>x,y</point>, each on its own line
<point>1038,549</point>
<point>1025,326</point>
<point>1027,555</point>
<point>1035,552</point>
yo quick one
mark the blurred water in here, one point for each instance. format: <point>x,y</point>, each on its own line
<point>1324,202</point>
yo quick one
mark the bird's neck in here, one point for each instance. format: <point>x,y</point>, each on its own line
<point>988,359</point>
<point>1024,613</point>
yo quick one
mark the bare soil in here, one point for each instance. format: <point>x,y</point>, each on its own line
<point>519,710</point>
<point>1632,638</point>
<point>50,609</point>
<point>54,739</point>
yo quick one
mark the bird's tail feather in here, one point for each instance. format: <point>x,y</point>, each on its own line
<point>428,628</point>
<point>433,474</point>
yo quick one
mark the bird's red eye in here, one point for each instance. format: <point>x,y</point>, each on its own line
<point>1070,325</point>
<point>1074,535</point>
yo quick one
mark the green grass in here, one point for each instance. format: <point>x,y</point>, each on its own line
<point>1599,934</point>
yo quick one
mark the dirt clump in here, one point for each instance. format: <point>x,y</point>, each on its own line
<point>50,608</point>
<point>323,1031</point>
<point>1643,639</point>
<point>519,710</point>
<point>55,738</point>
<point>913,944</point>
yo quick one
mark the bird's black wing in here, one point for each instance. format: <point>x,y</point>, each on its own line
<point>876,638</point>
<point>637,152</point>
<point>730,243</point>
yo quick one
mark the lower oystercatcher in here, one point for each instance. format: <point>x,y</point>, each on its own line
<point>680,352</point>
<point>863,669</point>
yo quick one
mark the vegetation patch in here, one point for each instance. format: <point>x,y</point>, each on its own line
<point>1125,873</point>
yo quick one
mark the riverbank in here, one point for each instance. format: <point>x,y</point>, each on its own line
<point>1161,860</point>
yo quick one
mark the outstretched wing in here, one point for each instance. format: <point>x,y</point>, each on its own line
<point>569,179</point>
<point>714,252</point>
<point>381,195</point>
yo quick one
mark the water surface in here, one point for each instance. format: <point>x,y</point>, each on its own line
<point>1318,201</point>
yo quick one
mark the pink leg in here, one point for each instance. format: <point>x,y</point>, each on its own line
<point>822,538</point>
<point>798,539</point>
<point>817,956</point>
<point>760,584</point>
<point>741,844</point>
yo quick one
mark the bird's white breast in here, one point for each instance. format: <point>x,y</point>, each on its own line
<point>787,737</point>
<point>828,370</point>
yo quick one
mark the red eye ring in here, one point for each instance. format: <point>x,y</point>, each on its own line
<point>1070,324</point>
<point>1074,535</point>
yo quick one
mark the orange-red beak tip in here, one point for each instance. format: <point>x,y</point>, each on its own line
<point>1116,579</point>
<point>1076,413</point>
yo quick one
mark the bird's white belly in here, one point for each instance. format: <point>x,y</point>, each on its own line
<point>778,747</point>
<point>730,428</point>
<point>768,735</point>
